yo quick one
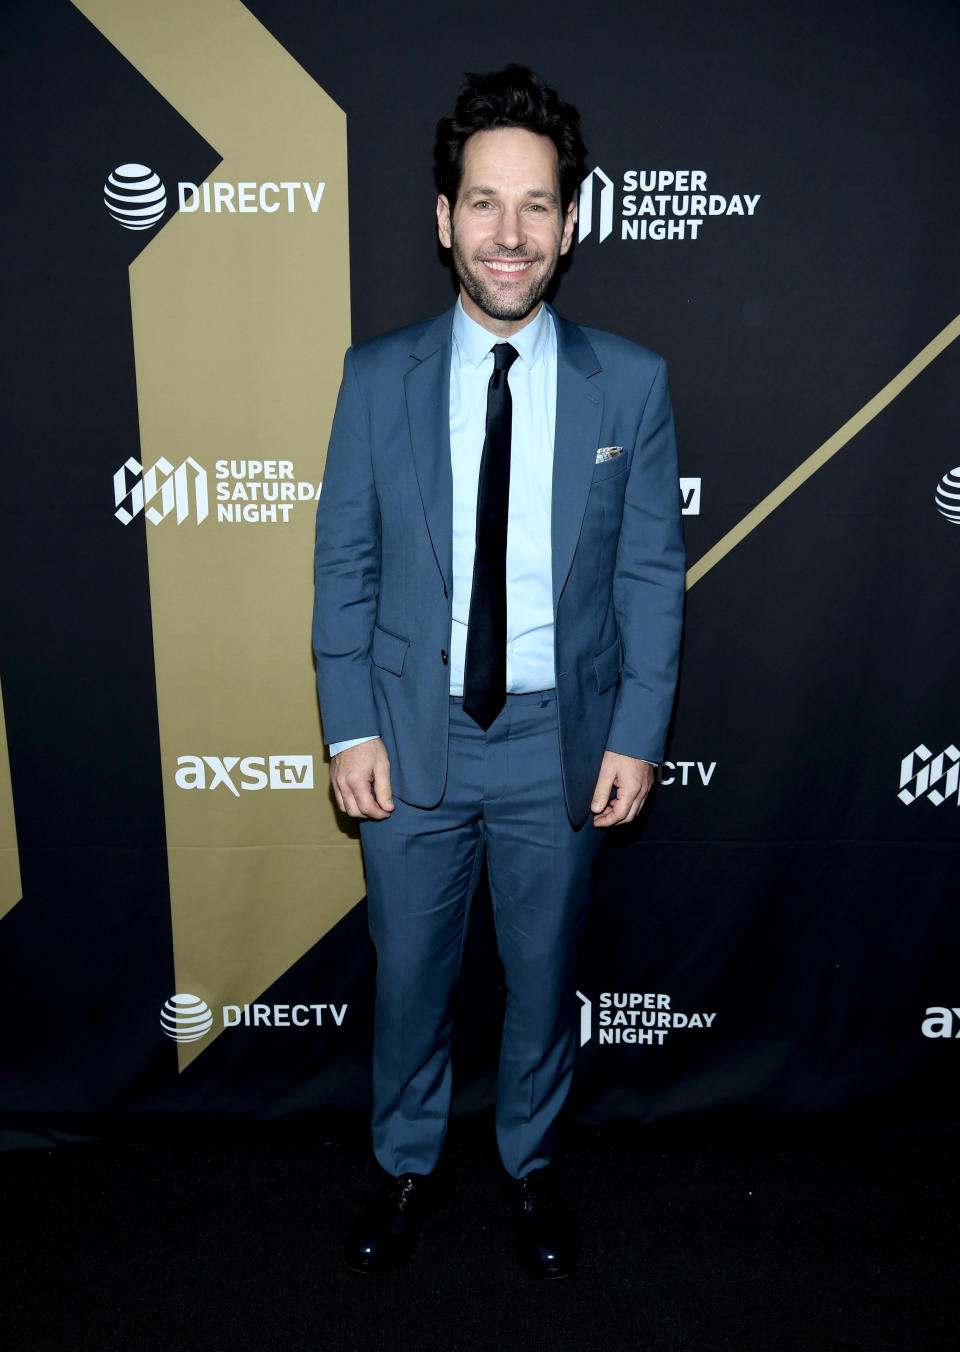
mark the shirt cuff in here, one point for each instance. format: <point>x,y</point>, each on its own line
<point>337,747</point>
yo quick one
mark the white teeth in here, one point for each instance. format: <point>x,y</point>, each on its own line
<point>506,267</point>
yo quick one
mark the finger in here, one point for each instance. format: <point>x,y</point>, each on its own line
<point>634,804</point>
<point>602,792</point>
<point>619,808</point>
<point>381,786</point>
<point>608,817</point>
<point>367,805</point>
<point>635,807</point>
<point>347,799</point>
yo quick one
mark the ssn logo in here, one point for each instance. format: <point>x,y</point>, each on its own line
<point>246,773</point>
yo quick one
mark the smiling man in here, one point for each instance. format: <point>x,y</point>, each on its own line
<point>505,239</point>
<point>499,585</point>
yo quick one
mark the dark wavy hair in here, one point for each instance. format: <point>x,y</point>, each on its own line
<point>512,97</point>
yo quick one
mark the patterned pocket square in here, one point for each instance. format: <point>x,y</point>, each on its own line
<point>607,453</point>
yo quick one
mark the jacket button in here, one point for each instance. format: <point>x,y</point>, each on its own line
<point>443,656</point>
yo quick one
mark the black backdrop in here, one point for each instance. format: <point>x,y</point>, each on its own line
<point>800,909</point>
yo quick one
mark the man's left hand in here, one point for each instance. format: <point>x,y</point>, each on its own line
<point>632,779</point>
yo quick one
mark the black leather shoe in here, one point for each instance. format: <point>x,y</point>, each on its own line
<point>546,1237</point>
<point>386,1231</point>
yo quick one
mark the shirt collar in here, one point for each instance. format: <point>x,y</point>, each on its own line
<point>474,341</point>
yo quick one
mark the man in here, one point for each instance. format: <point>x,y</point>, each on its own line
<point>499,571</point>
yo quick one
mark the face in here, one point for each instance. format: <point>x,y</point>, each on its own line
<point>507,229</point>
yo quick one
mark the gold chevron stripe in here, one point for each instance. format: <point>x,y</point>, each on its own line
<point>823,453</point>
<point>10,886</point>
<point>240,322</point>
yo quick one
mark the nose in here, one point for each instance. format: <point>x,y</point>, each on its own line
<point>510,232</point>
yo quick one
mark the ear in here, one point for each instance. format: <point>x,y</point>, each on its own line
<point>569,220</point>
<point>443,221</point>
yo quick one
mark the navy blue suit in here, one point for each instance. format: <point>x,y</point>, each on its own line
<point>381,636</point>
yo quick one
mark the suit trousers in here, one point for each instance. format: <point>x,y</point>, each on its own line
<point>503,795</point>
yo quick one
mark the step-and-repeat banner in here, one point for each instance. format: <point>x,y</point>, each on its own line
<point>207,201</point>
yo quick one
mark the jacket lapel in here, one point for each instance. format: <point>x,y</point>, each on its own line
<point>579,414</point>
<point>427,387</point>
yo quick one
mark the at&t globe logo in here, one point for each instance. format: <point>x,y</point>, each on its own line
<point>135,196</point>
<point>948,496</point>
<point>186,1018</point>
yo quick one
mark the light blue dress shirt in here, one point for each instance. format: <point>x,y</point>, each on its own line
<point>533,390</point>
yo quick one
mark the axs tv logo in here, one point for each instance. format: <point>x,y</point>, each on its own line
<point>239,774</point>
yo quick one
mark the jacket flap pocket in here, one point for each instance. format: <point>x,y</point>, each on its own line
<point>388,651</point>
<point>607,667</point>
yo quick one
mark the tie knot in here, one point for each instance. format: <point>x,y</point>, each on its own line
<point>504,356</point>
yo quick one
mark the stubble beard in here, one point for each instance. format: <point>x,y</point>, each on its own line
<point>484,295</point>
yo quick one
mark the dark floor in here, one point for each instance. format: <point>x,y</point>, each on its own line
<point>206,1247</point>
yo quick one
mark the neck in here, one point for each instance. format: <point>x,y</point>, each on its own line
<point>500,328</point>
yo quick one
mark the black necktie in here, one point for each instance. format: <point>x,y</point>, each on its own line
<point>485,675</point>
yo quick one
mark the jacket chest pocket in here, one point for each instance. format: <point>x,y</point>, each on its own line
<point>611,469</point>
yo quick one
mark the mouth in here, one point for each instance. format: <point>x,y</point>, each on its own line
<point>507,267</point>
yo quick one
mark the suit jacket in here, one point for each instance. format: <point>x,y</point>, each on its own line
<point>382,615</point>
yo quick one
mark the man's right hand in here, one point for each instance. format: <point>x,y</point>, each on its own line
<point>361,781</point>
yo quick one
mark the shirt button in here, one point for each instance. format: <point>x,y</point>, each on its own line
<point>443,656</point>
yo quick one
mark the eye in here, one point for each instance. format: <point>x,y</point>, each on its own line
<point>483,205</point>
